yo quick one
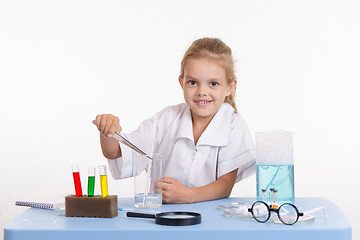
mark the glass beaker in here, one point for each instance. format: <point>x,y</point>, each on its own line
<point>147,181</point>
<point>275,167</point>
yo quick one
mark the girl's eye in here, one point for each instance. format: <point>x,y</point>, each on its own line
<point>191,83</point>
<point>214,84</point>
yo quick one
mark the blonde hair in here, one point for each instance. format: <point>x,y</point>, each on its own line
<point>217,50</point>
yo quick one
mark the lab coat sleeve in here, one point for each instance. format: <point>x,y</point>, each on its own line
<point>239,153</point>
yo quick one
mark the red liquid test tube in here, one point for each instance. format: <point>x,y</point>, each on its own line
<point>77,182</point>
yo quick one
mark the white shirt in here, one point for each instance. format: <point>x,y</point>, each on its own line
<point>224,146</point>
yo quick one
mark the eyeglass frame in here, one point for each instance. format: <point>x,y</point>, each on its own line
<point>271,209</point>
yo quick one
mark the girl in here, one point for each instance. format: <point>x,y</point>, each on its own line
<point>206,146</point>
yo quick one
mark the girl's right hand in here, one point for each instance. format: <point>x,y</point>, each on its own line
<point>107,124</point>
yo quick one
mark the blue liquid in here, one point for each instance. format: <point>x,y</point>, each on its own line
<point>278,177</point>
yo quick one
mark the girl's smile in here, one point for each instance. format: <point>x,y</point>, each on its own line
<point>202,102</point>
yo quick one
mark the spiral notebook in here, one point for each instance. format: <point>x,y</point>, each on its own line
<point>57,202</point>
<point>43,205</point>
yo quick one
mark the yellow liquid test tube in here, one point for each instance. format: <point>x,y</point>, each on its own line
<point>103,181</point>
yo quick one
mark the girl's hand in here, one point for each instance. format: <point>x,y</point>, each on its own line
<point>107,124</point>
<point>175,192</point>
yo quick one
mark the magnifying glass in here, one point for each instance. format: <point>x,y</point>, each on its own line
<point>170,218</point>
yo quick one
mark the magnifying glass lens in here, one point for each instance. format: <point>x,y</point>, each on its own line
<point>177,216</point>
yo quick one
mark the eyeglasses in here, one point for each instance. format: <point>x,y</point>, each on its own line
<point>287,212</point>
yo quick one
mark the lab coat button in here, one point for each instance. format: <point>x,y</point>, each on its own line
<point>194,154</point>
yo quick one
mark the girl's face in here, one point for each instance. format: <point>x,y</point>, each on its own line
<point>205,87</point>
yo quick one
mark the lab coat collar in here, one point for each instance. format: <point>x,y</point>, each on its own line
<point>217,132</point>
<point>185,126</point>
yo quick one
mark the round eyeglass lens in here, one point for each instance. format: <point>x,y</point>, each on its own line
<point>260,212</point>
<point>288,214</point>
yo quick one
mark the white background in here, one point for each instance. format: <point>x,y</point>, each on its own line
<point>64,62</point>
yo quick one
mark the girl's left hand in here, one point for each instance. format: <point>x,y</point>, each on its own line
<point>174,191</point>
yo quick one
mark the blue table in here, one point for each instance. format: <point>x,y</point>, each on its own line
<point>52,224</point>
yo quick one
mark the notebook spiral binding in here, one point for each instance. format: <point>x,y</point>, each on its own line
<point>39,205</point>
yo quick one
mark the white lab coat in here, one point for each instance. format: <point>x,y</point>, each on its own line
<point>224,146</point>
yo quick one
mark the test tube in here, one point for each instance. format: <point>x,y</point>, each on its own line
<point>91,181</point>
<point>77,182</point>
<point>103,181</point>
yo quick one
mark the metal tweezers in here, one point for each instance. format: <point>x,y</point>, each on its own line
<point>126,142</point>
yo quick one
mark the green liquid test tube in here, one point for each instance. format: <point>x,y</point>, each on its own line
<point>91,182</point>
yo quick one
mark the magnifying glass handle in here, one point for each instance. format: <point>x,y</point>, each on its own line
<point>139,215</point>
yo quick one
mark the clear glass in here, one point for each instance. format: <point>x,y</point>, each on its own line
<point>91,171</point>
<point>75,168</point>
<point>236,210</point>
<point>102,170</point>
<point>232,206</point>
<point>275,167</point>
<point>147,181</point>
